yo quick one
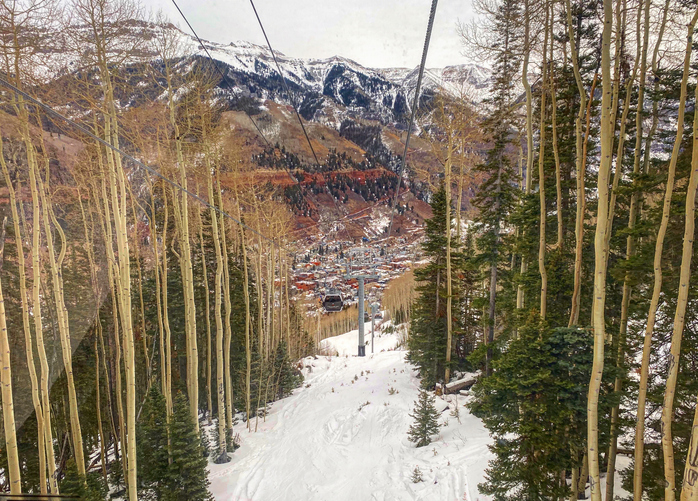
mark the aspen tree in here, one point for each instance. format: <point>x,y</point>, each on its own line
<point>104,21</point>
<point>103,213</point>
<point>689,491</point>
<point>8,410</point>
<point>580,162</point>
<point>113,282</point>
<point>556,149</point>
<point>16,18</point>
<point>217,285</point>
<point>529,127</point>
<point>449,282</point>
<point>600,268</point>
<point>138,262</point>
<point>630,249</point>
<point>181,211</point>
<point>647,340</point>
<point>207,309</point>
<point>684,280</point>
<point>38,322</point>
<point>55,267</point>
<point>228,311</point>
<point>541,173</point>
<point>89,243</point>
<point>165,309</point>
<point>28,343</point>
<point>158,296</point>
<point>248,319</point>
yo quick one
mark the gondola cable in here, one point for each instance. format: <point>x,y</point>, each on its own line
<point>427,39</point>
<point>224,78</point>
<point>293,103</point>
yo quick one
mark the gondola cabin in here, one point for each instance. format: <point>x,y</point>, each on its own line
<point>332,301</point>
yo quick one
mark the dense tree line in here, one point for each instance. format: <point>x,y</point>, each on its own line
<point>581,249</point>
<point>138,324</point>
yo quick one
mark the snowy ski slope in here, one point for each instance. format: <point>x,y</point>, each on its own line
<point>326,443</point>
<point>323,444</point>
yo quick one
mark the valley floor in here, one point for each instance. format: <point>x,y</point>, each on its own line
<point>342,436</point>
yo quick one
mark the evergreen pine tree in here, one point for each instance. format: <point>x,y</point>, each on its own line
<point>417,475</point>
<point>153,458</point>
<point>427,339</point>
<point>497,194</point>
<point>187,478</point>
<point>534,405</point>
<point>288,377</point>
<point>230,444</point>
<point>89,488</point>
<point>426,420</point>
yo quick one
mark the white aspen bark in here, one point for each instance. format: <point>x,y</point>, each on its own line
<point>682,299</point>
<point>580,163</point>
<point>449,289</point>
<point>248,319</point>
<point>28,343</point>
<point>630,246</point>
<point>182,213</point>
<point>541,177</point>
<point>158,299</point>
<point>165,310</point>
<point>55,266</point>
<point>690,475</point>
<point>36,278</point>
<point>529,130</point>
<point>647,341</point>
<point>207,306</point>
<point>217,285</point>
<point>8,409</point>
<point>229,406</point>
<point>89,243</point>
<point>598,316</point>
<point>116,300</point>
<point>556,155</point>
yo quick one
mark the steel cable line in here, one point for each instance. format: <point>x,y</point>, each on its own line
<point>232,87</point>
<point>149,169</point>
<point>427,39</point>
<point>293,102</point>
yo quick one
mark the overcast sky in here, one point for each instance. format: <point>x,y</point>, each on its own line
<point>375,33</point>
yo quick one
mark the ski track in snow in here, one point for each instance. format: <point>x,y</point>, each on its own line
<point>322,445</point>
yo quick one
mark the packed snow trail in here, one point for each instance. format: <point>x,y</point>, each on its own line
<point>343,436</point>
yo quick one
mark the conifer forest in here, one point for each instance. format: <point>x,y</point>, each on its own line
<point>176,214</point>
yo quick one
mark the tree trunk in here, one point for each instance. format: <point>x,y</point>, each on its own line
<point>207,306</point>
<point>634,209</point>
<point>630,248</point>
<point>229,410</point>
<point>55,266</point>
<point>541,176</point>
<point>647,341</point>
<point>449,285</point>
<point>529,133</point>
<point>28,343</point>
<point>598,314</point>
<point>684,281</point>
<point>8,410</point>
<point>217,286</point>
